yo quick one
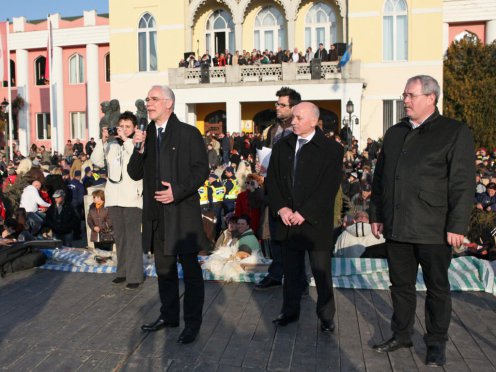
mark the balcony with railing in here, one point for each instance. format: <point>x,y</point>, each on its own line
<point>255,74</point>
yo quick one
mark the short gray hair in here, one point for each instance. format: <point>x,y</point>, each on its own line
<point>168,93</point>
<point>429,85</point>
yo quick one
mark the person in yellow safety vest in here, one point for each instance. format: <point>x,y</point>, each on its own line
<point>232,190</point>
<point>216,192</point>
<point>203,192</point>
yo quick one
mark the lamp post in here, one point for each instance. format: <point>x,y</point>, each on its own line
<point>5,117</point>
<point>349,121</point>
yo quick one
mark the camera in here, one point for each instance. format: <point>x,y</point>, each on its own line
<point>112,131</point>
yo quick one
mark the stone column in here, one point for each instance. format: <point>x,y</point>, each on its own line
<point>238,37</point>
<point>22,76</point>
<point>445,36</point>
<point>490,31</point>
<point>291,35</point>
<point>93,90</point>
<point>57,116</point>
<point>233,114</point>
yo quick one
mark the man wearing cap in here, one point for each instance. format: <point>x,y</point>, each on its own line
<point>232,190</point>
<point>422,197</point>
<point>487,200</point>
<point>88,179</point>
<point>77,192</point>
<point>216,196</point>
<point>62,219</point>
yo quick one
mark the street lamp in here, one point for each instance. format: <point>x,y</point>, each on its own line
<point>4,105</point>
<point>349,121</point>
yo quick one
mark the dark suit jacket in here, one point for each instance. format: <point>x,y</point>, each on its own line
<point>183,163</point>
<point>314,190</point>
<point>424,181</point>
<point>322,55</point>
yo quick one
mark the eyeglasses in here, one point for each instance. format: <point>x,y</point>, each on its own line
<point>412,96</point>
<point>277,104</point>
<point>155,99</point>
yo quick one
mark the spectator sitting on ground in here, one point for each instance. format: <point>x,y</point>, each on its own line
<point>487,200</point>
<point>230,235</point>
<point>355,238</point>
<point>247,244</point>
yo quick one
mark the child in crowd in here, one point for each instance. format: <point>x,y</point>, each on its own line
<point>99,221</point>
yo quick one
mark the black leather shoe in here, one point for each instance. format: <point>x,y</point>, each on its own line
<point>188,335</point>
<point>283,320</point>
<point>118,280</point>
<point>327,326</point>
<point>436,355</point>
<point>391,345</point>
<point>158,325</point>
<point>268,283</point>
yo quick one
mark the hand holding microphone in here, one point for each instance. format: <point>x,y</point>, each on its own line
<point>140,135</point>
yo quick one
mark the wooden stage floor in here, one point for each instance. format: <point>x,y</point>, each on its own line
<point>56,321</point>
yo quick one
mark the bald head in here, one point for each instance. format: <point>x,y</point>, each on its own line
<point>305,118</point>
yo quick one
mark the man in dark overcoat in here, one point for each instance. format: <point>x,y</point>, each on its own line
<point>173,165</point>
<point>422,196</point>
<point>303,178</point>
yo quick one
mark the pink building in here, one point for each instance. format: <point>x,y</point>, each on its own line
<point>79,79</point>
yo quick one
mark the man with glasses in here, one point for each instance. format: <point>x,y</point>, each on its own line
<point>173,163</point>
<point>286,99</point>
<point>422,196</point>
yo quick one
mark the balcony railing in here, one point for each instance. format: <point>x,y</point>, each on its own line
<point>259,73</point>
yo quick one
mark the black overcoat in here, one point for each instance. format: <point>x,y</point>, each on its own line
<point>424,181</point>
<point>183,163</point>
<point>314,190</point>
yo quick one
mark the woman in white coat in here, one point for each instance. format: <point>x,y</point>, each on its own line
<point>124,199</point>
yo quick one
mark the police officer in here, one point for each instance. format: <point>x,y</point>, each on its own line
<point>216,196</point>
<point>232,190</point>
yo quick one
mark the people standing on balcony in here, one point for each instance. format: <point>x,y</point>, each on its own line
<point>333,54</point>
<point>309,54</point>
<point>235,58</point>
<point>295,57</point>
<point>321,53</point>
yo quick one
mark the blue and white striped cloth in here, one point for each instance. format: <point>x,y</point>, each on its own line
<point>465,273</point>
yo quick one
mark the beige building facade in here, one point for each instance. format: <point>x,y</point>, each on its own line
<point>392,40</point>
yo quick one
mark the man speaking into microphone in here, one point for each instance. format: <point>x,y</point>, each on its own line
<point>173,164</point>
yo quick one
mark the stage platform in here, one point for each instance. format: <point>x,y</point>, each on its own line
<point>63,321</point>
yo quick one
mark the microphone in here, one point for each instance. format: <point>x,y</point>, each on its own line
<point>143,122</point>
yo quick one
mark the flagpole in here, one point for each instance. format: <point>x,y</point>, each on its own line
<point>10,137</point>
<point>50,63</point>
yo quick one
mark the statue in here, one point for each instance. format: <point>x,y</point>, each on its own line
<point>141,111</point>
<point>104,121</point>
<point>115,112</point>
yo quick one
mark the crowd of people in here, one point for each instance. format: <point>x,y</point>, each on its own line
<point>35,186</point>
<point>258,57</point>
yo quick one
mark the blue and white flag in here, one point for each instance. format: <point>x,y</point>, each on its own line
<point>346,56</point>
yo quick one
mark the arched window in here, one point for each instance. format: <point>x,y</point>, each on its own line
<point>320,26</point>
<point>147,43</point>
<point>270,31</point>
<point>107,67</point>
<point>219,34</point>
<point>395,31</point>
<point>40,66</point>
<point>12,73</point>
<point>76,69</point>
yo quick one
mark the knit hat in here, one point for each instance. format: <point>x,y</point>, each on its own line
<point>59,193</point>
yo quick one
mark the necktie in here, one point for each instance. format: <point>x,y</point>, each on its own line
<point>157,162</point>
<point>301,143</point>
